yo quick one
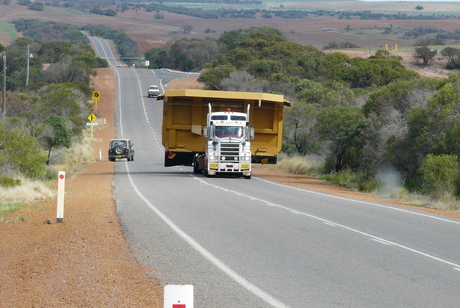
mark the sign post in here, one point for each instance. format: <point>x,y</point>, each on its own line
<point>178,296</point>
<point>91,119</point>
<point>60,196</point>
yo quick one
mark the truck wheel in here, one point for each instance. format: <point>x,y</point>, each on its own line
<point>111,159</point>
<point>247,177</point>
<point>132,157</point>
<point>195,167</point>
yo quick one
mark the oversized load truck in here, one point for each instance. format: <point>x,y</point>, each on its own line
<point>221,132</point>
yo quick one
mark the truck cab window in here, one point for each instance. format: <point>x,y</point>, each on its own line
<point>229,131</point>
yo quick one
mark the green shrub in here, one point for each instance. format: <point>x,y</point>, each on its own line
<point>439,174</point>
<point>23,152</point>
<point>357,181</point>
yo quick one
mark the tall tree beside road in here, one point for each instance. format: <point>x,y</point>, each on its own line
<point>339,125</point>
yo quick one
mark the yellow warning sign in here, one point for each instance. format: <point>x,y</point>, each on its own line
<point>92,118</point>
<point>96,96</point>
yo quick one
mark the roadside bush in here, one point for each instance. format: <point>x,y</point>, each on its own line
<point>439,175</point>
<point>358,181</point>
<point>6,181</point>
<point>23,153</point>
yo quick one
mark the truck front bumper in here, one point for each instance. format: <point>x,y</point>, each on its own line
<point>229,168</point>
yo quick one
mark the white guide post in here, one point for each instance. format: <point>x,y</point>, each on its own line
<point>178,296</point>
<point>60,196</point>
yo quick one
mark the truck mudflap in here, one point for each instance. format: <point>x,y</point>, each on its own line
<point>261,159</point>
<point>173,158</point>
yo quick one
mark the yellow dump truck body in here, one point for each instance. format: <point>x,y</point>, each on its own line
<point>185,112</point>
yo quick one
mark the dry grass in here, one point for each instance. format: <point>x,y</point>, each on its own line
<point>28,191</point>
<point>14,198</point>
<point>79,154</point>
<point>297,164</point>
<point>311,165</point>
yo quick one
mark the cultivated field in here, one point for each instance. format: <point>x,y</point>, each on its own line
<point>316,31</point>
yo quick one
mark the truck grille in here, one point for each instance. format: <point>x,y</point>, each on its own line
<point>229,150</point>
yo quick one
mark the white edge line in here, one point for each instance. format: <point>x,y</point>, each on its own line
<point>359,201</point>
<point>338,225</point>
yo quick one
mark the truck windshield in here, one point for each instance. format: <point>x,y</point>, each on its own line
<point>229,131</point>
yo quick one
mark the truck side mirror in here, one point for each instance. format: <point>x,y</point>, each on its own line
<point>205,132</point>
<point>251,132</point>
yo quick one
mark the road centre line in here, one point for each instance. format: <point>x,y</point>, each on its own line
<point>373,237</point>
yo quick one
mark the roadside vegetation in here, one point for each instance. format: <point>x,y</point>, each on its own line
<point>362,123</point>
<point>43,122</point>
<point>364,120</point>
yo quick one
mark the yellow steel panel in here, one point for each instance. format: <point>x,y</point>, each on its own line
<point>225,95</point>
<point>185,112</point>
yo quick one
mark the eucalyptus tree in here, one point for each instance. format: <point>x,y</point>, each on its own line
<point>299,134</point>
<point>213,77</point>
<point>386,128</point>
<point>453,56</point>
<point>425,53</point>
<point>241,81</point>
<point>340,127</point>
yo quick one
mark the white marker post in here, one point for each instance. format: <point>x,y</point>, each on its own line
<point>178,296</point>
<point>60,196</point>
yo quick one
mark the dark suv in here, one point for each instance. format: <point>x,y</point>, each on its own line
<point>121,148</point>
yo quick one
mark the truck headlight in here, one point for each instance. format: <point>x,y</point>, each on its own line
<point>212,157</point>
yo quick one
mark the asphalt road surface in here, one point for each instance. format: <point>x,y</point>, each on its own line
<point>256,243</point>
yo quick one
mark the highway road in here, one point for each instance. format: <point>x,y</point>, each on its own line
<point>257,243</point>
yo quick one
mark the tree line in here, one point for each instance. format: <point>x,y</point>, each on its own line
<point>49,31</point>
<point>359,115</point>
<point>105,7</point>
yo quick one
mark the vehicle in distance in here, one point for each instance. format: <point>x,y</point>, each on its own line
<point>121,148</point>
<point>154,90</point>
<point>118,64</point>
